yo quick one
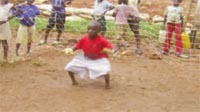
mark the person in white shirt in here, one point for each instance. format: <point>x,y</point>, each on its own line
<point>100,9</point>
<point>173,19</point>
<point>5,32</point>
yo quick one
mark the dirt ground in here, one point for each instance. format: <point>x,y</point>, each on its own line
<point>39,83</point>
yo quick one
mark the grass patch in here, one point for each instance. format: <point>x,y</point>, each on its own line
<point>147,30</point>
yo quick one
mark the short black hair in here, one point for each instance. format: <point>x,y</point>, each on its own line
<point>122,1</point>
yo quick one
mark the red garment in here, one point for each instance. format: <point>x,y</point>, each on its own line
<point>171,27</point>
<point>92,47</point>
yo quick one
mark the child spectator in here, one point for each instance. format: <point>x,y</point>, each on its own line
<point>174,20</point>
<point>121,13</point>
<point>134,24</point>
<point>26,33</point>
<point>5,32</point>
<point>57,18</point>
<point>94,58</point>
<point>100,9</point>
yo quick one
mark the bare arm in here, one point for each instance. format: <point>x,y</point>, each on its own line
<point>68,2</point>
<point>2,22</point>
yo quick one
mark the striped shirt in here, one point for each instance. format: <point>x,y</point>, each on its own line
<point>58,6</point>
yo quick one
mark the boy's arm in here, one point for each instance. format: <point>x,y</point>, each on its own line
<point>108,48</point>
<point>2,22</point>
<point>110,8</point>
<point>165,20</point>
<point>68,2</point>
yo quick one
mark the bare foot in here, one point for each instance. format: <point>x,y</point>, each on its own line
<point>17,54</point>
<point>74,83</point>
<point>107,87</point>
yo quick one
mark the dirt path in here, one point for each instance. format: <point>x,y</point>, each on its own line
<point>139,84</point>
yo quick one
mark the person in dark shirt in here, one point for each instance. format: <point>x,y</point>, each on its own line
<point>57,18</point>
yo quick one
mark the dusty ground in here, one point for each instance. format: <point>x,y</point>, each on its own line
<point>139,84</point>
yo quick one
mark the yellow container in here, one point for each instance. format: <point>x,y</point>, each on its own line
<point>185,38</point>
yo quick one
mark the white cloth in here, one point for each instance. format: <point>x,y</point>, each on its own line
<point>101,7</point>
<point>81,65</point>
<point>174,14</point>
<point>5,11</point>
<point>133,4</point>
<point>26,34</point>
<point>5,32</point>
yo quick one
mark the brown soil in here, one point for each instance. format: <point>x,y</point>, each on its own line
<point>139,83</point>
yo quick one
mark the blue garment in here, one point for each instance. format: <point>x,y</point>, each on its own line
<point>58,6</point>
<point>27,18</point>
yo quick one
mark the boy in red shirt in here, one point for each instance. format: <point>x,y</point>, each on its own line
<point>94,58</point>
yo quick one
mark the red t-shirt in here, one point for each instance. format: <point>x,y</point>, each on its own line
<point>92,47</point>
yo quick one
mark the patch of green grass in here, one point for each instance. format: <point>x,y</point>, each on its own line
<point>147,30</point>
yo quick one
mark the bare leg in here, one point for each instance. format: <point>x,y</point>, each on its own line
<point>5,48</point>
<point>28,48</point>
<point>71,74</point>
<point>137,40</point>
<point>59,34</point>
<point>17,48</point>
<point>46,35</point>
<point>138,50</point>
<point>107,81</point>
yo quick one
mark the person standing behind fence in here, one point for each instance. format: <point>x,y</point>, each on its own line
<point>100,9</point>
<point>173,17</point>
<point>26,32</point>
<point>121,13</point>
<point>5,32</point>
<point>134,24</point>
<point>57,18</point>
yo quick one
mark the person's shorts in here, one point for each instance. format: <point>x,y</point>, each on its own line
<point>81,65</point>
<point>57,19</point>
<point>134,25</point>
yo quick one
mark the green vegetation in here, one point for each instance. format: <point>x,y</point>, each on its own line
<point>147,30</point>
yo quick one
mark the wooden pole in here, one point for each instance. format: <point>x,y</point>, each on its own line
<point>188,14</point>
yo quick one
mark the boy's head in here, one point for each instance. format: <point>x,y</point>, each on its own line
<point>176,2</point>
<point>93,29</point>
<point>30,1</point>
<point>123,1</point>
<point>100,0</point>
<point>4,1</point>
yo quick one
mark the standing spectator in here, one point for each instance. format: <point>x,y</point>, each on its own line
<point>174,20</point>
<point>100,9</point>
<point>27,32</point>
<point>5,32</point>
<point>121,13</point>
<point>134,24</point>
<point>57,18</point>
<point>196,21</point>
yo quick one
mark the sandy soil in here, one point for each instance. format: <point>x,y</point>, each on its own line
<point>139,84</point>
<point>38,83</point>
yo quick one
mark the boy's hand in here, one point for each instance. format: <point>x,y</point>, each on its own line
<point>68,51</point>
<point>163,27</point>
<point>106,51</point>
<point>2,22</point>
